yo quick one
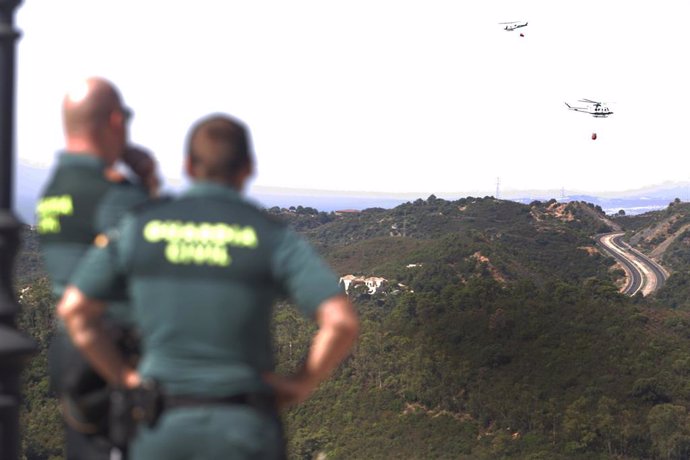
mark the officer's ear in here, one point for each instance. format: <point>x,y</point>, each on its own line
<point>189,167</point>
<point>244,175</point>
<point>249,173</point>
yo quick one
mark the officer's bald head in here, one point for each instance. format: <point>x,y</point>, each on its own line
<point>95,119</point>
<point>219,149</point>
<point>88,105</point>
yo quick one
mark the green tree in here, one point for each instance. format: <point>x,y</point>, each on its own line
<point>668,427</point>
<point>579,426</point>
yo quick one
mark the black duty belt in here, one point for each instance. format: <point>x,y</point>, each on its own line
<point>263,402</point>
<point>146,403</point>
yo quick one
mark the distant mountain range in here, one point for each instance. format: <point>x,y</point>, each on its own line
<point>30,180</point>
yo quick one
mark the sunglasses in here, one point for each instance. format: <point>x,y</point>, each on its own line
<point>127,114</point>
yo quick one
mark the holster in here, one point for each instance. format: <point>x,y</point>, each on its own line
<point>84,395</point>
<point>130,407</point>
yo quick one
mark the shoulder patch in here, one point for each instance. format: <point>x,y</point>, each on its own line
<point>101,240</point>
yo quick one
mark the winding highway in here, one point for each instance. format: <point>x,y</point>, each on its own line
<point>642,273</point>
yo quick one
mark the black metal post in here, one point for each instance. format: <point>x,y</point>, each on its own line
<point>14,346</point>
<point>8,37</point>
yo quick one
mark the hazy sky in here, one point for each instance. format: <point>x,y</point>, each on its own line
<point>394,96</point>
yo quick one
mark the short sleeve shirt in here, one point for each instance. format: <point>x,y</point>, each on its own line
<point>203,272</point>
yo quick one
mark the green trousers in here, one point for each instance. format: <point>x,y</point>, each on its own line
<point>211,433</point>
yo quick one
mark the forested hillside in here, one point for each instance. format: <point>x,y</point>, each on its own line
<point>40,419</point>
<point>500,334</point>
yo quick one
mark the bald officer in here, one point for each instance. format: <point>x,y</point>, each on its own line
<point>84,196</point>
<point>203,272</point>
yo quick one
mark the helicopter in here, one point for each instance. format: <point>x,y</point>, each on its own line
<point>510,26</point>
<point>596,109</point>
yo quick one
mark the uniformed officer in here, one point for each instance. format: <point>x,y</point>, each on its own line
<point>84,196</point>
<point>203,271</point>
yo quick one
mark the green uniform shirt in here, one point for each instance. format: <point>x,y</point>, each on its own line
<point>203,272</point>
<point>77,204</point>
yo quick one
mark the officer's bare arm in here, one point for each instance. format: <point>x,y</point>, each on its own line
<point>82,317</point>
<point>338,329</point>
